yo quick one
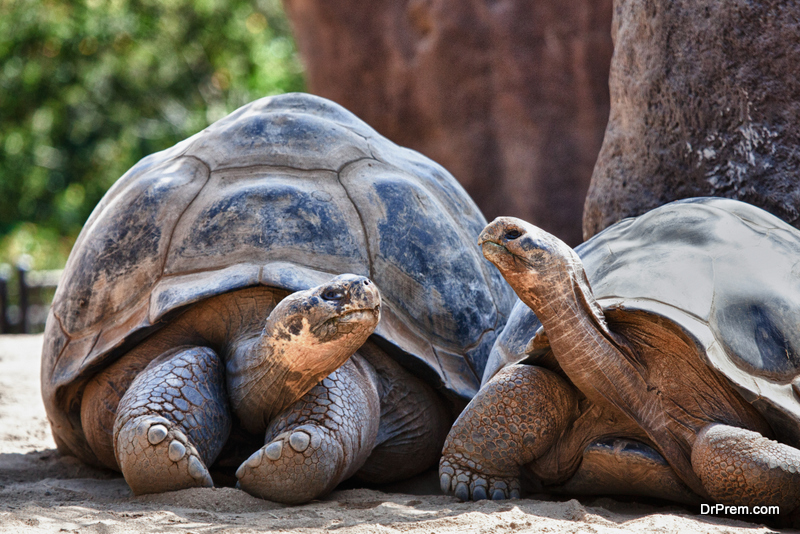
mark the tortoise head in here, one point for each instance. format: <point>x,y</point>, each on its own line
<point>307,336</point>
<point>344,311</point>
<point>530,259</point>
<point>543,270</point>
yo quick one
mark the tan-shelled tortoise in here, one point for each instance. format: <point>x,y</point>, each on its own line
<point>202,296</point>
<point>667,364</point>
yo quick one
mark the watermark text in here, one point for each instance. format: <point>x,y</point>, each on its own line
<point>721,509</point>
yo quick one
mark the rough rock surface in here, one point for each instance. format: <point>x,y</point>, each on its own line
<point>511,96</point>
<point>705,100</point>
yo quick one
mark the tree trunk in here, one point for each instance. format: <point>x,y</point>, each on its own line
<point>510,96</point>
<point>705,101</point>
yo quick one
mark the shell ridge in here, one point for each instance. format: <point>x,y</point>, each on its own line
<point>353,131</point>
<point>478,342</point>
<point>468,360</point>
<point>621,303</point>
<point>257,166</point>
<point>179,218</point>
<point>90,352</point>
<point>440,371</point>
<point>370,262</point>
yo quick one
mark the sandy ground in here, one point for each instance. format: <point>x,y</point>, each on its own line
<point>43,492</point>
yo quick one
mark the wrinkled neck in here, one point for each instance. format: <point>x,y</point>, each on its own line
<point>576,328</point>
<point>254,375</point>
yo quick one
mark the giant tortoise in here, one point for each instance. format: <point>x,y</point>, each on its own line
<point>202,296</point>
<point>667,364</point>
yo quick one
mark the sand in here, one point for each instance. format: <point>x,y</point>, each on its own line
<point>41,491</point>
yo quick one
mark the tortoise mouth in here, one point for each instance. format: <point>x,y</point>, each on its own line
<point>490,248</point>
<point>352,322</point>
<point>502,257</point>
<point>358,314</point>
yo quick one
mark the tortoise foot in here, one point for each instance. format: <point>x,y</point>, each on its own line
<point>295,467</point>
<point>467,484</point>
<point>513,420</point>
<point>154,457</point>
<point>323,439</point>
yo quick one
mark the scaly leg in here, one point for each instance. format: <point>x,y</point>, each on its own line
<point>172,422</point>
<point>513,420</point>
<point>321,440</point>
<point>741,467</point>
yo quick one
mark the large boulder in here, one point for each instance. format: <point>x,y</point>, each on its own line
<point>510,96</point>
<point>705,101</point>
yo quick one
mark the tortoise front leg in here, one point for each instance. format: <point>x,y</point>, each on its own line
<point>741,467</point>
<point>172,422</point>
<point>319,441</point>
<point>514,419</point>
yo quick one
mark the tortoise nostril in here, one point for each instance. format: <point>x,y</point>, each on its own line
<point>366,282</point>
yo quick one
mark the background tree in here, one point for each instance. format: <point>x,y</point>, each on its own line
<point>89,87</point>
<point>705,101</point>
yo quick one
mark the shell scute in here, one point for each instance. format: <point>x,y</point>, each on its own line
<point>278,139</point>
<point>257,216</point>
<point>420,247</point>
<point>129,240</point>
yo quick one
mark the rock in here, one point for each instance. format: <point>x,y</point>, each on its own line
<point>705,101</point>
<point>510,96</point>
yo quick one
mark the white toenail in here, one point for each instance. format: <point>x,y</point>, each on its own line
<point>196,468</point>
<point>273,450</point>
<point>299,441</point>
<point>176,451</point>
<point>156,434</point>
<point>255,460</point>
<point>316,439</point>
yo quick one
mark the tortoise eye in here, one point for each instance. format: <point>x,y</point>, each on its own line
<point>513,234</point>
<point>333,294</point>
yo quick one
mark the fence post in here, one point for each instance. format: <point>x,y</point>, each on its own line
<point>22,271</point>
<point>5,274</point>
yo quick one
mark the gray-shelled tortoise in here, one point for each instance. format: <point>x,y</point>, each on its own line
<point>202,296</point>
<point>666,376</point>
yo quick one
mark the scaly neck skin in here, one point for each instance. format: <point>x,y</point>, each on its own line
<point>269,372</point>
<point>581,342</point>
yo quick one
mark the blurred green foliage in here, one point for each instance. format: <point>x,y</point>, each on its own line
<point>89,87</point>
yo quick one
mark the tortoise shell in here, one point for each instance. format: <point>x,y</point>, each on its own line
<point>287,192</point>
<point>725,272</point>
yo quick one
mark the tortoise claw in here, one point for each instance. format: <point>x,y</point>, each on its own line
<point>294,467</point>
<point>154,457</point>
<point>466,485</point>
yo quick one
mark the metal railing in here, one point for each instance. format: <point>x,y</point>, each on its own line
<point>25,297</point>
